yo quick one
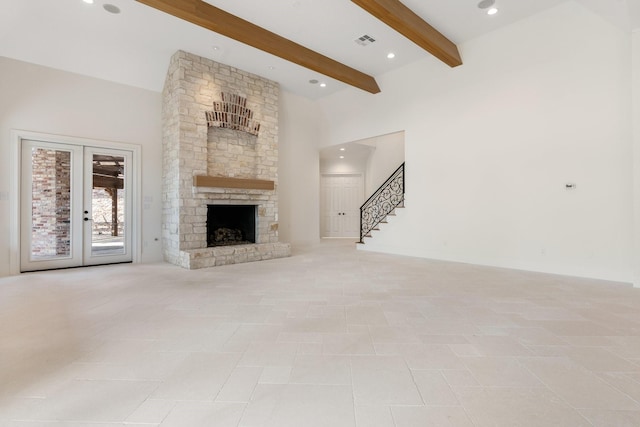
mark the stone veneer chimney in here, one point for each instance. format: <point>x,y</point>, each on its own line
<point>192,149</point>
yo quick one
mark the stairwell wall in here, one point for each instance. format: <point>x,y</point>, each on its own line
<point>387,157</point>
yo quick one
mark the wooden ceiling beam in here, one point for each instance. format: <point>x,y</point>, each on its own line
<point>406,22</point>
<point>212,18</point>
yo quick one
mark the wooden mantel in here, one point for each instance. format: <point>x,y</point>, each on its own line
<point>222,182</point>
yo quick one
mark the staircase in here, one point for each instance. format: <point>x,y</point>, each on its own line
<point>382,203</point>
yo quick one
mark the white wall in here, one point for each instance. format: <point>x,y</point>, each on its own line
<point>636,151</point>
<point>301,127</point>
<point>388,155</point>
<point>490,146</point>
<point>41,99</point>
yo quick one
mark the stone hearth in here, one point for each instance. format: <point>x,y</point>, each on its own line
<point>205,165</point>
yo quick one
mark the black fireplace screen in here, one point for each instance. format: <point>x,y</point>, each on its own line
<point>231,225</point>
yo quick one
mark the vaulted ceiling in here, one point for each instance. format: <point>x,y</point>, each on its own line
<point>134,46</point>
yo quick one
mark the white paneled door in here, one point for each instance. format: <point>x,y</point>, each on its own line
<point>340,199</point>
<point>76,205</point>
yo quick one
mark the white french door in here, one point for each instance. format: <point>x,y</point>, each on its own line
<point>76,205</point>
<point>340,199</point>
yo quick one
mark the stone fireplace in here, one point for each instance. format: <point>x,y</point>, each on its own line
<point>220,149</point>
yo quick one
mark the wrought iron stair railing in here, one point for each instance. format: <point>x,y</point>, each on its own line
<point>388,197</point>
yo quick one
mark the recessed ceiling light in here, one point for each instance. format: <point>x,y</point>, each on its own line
<point>342,157</point>
<point>215,47</point>
<point>271,67</point>
<point>492,11</point>
<point>323,85</point>
<point>485,4</point>
<point>111,8</point>
<point>391,55</point>
<point>313,81</point>
<point>88,1</point>
<point>342,149</point>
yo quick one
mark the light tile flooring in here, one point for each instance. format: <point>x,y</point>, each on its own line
<point>330,337</point>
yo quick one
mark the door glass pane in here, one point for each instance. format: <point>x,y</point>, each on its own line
<point>51,204</point>
<point>107,205</point>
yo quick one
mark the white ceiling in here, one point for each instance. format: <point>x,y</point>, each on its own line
<point>354,151</point>
<point>134,46</point>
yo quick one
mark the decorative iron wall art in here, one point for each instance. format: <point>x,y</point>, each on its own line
<point>232,113</point>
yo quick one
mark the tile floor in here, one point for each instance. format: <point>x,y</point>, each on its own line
<point>330,337</point>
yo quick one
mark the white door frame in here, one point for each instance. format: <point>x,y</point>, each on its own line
<point>17,136</point>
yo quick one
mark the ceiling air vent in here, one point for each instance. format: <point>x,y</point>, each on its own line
<point>365,40</point>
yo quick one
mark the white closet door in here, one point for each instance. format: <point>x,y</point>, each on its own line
<point>341,197</point>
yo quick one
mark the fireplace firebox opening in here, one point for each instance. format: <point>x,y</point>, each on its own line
<point>231,225</point>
